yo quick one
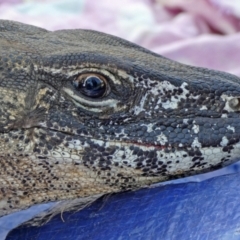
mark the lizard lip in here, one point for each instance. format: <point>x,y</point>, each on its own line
<point>148,145</point>
<point>122,142</point>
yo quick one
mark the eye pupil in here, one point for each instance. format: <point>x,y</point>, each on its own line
<point>93,83</point>
<point>90,85</point>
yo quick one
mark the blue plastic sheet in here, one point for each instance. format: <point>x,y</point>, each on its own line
<point>199,210</point>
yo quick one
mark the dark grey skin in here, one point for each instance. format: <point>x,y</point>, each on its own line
<point>83,114</point>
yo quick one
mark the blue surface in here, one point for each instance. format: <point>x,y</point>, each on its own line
<point>204,210</point>
<point>11,221</point>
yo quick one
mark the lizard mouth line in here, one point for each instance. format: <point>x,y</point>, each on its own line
<point>112,142</point>
<point>118,142</point>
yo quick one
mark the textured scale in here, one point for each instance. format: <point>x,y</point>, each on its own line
<point>161,119</point>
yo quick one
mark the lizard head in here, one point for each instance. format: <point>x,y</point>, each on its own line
<point>85,113</point>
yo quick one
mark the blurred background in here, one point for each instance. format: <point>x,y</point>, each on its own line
<point>197,32</point>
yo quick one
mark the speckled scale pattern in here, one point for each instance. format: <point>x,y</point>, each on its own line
<point>160,120</point>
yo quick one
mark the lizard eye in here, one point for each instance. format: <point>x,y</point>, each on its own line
<point>91,85</point>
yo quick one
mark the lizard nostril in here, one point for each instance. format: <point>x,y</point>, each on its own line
<point>234,103</point>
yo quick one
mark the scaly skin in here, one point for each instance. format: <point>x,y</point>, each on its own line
<point>157,120</point>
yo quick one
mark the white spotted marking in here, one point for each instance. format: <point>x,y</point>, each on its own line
<point>231,128</point>
<point>160,88</point>
<point>196,143</point>
<point>173,102</point>
<point>224,115</point>
<point>140,107</point>
<point>224,141</point>
<point>162,139</point>
<point>149,127</point>
<point>122,133</point>
<point>203,108</point>
<point>195,128</point>
<point>183,162</point>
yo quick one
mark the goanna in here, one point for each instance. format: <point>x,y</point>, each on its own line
<point>84,113</point>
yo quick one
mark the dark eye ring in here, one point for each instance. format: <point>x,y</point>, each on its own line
<point>91,85</point>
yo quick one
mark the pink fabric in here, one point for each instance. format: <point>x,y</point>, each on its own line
<point>201,33</point>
